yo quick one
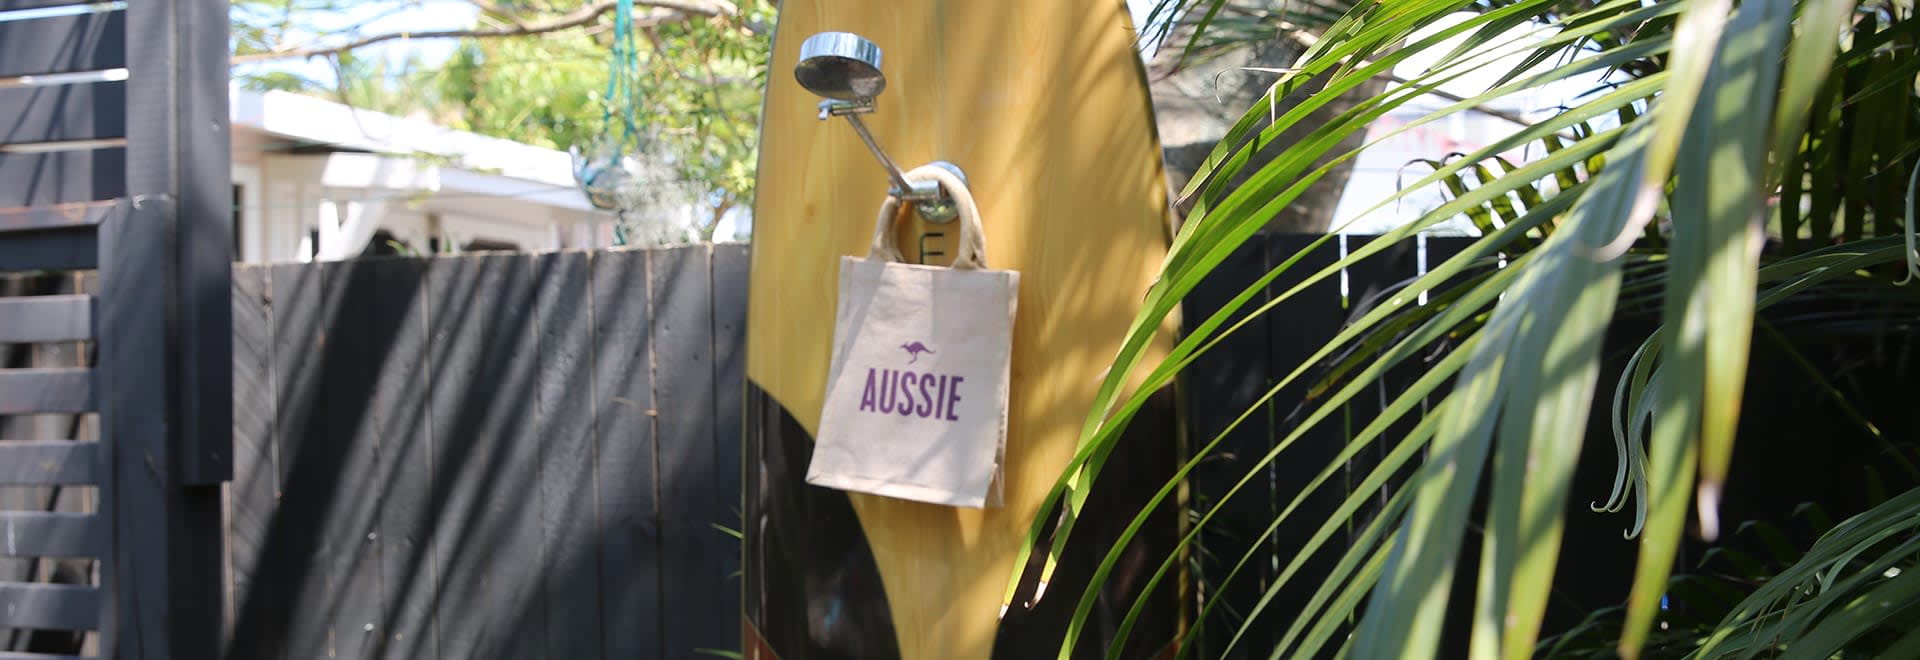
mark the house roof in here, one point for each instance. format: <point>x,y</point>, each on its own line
<point>314,120</point>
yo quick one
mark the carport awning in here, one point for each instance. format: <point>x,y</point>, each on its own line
<point>365,185</point>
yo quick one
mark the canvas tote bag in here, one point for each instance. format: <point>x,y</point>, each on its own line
<point>916,404</point>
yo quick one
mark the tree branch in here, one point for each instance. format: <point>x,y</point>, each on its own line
<point>497,10</point>
<point>672,10</point>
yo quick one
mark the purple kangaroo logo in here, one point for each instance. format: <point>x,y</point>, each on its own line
<point>914,349</point>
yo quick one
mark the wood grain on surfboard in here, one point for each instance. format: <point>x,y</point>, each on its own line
<point>1045,106</point>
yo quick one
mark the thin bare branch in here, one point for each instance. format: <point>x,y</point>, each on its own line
<point>667,11</point>
<point>503,12</point>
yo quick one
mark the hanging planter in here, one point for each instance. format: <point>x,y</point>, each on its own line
<point>609,169</point>
<point>602,171</point>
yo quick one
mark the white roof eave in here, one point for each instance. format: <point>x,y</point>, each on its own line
<point>362,171</point>
<point>308,119</point>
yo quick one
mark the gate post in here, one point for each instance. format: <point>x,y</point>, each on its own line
<point>165,339</point>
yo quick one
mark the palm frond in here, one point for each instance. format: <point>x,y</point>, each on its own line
<point>1673,154</point>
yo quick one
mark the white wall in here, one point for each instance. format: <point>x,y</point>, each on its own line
<point>288,203</point>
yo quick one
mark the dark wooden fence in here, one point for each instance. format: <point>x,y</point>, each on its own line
<point>113,398</point>
<point>489,456</point>
<point>1227,380</point>
<point>1774,478</point>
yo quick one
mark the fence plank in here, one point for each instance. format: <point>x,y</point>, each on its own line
<point>76,215</point>
<point>49,250</point>
<point>1222,384</point>
<point>84,42</point>
<point>46,319</point>
<point>409,578</point>
<point>49,606</point>
<point>623,408</point>
<point>1298,329</point>
<point>35,179</point>
<point>729,303</point>
<point>251,498</point>
<point>279,594</point>
<point>307,315</point>
<point>483,398</point>
<point>570,563</point>
<point>402,484</point>
<point>58,390</point>
<point>49,463</point>
<point>1370,282</point>
<point>9,655</point>
<point>457,301</point>
<point>690,551</point>
<point>54,113</point>
<point>345,485</point>
<point>41,534</point>
<point>16,5</point>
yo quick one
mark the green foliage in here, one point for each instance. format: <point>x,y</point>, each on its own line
<point>1723,113</point>
<point>698,85</point>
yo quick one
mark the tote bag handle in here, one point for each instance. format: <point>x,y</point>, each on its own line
<point>972,251</point>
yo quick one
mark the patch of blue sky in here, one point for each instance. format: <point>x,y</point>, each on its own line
<point>359,20</point>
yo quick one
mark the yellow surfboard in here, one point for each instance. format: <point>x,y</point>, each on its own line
<point>1044,105</point>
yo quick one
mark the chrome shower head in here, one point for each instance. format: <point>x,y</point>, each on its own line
<point>840,65</point>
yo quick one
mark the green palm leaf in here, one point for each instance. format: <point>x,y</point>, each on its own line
<point>1692,161</point>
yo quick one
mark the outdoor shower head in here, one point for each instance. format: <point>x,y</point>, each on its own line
<point>844,68</point>
<point>840,65</point>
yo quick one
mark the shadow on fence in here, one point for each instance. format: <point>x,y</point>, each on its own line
<point>488,456</point>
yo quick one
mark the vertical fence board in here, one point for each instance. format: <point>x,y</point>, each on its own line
<point>409,580</point>
<point>1222,383</point>
<point>729,415</point>
<point>282,620</point>
<point>312,323</point>
<point>690,563</point>
<point>462,452</point>
<point>345,483</point>
<point>1299,328</point>
<point>521,609</point>
<point>624,432</point>
<point>1372,282</point>
<point>459,301</point>
<point>483,397</point>
<point>570,568</point>
<point>251,495</point>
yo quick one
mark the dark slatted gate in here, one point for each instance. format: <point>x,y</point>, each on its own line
<point>114,250</point>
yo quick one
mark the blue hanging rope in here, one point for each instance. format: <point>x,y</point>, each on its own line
<point>620,94</point>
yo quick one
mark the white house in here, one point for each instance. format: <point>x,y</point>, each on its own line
<point>319,180</point>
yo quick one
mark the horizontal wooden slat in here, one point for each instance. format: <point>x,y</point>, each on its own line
<point>49,463</point>
<point>15,5</point>
<point>10,655</point>
<point>64,390</point>
<point>76,249</point>
<point>42,534</point>
<point>45,319</point>
<point>57,216</point>
<point>63,112</point>
<point>36,179</point>
<point>49,606</point>
<point>84,42</point>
